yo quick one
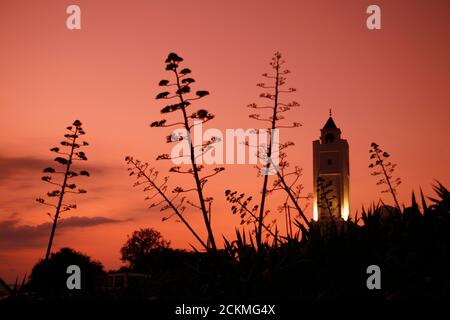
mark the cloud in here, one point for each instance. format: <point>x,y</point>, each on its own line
<point>14,235</point>
<point>85,221</point>
<point>12,167</point>
<point>20,179</point>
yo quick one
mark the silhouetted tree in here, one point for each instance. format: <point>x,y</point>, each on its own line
<point>49,276</point>
<point>386,169</point>
<point>182,93</point>
<point>140,244</point>
<point>70,152</point>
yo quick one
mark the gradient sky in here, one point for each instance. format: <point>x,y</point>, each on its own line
<point>390,86</point>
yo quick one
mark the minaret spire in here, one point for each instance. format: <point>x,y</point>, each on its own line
<point>330,112</point>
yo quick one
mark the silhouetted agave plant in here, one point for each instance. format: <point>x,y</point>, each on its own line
<point>17,289</point>
<point>181,92</point>
<point>386,170</point>
<point>276,107</point>
<point>147,176</point>
<point>70,152</point>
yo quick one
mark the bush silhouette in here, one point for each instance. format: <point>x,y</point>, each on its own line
<point>48,277</point>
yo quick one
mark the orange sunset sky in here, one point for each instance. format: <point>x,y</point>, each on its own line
<point>390,86</point>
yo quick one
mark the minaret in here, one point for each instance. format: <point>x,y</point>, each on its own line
<point>331,174</point>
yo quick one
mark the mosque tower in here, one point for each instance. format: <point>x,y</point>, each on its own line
<point>331,174</point>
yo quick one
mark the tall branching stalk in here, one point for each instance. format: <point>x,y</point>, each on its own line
<point>182,93</point>
<point>386,170</point>
<point>65,159</point>
<point>276,108</point>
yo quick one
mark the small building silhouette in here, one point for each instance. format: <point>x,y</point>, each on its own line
<point>123,280</point>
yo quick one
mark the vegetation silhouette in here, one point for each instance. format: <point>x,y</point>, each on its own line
<point>65,159</point>
<point>276,109</point>
<point>386,170</point>
<point>324,192</point>
<point>140,244</point>
<point>285,179</point>
<point>147,176</point>
<point>411,247</point>
<point>48,277</point>
<point>310,261</point>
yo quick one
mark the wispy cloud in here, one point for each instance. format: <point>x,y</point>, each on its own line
<point>15,235</point>
<point>11,167</point>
